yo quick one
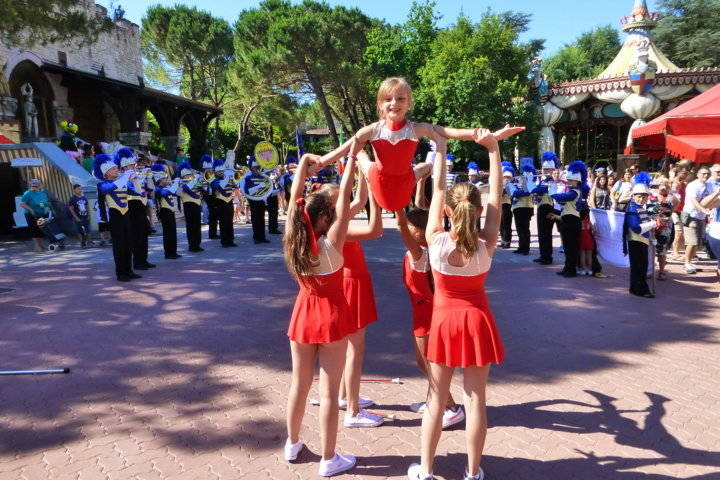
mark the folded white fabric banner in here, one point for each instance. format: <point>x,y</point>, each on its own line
<point>608,226</point>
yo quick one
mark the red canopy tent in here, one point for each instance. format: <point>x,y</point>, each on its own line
<point>692,130</point>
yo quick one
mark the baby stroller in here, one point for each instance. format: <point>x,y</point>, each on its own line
<point>51,229</point>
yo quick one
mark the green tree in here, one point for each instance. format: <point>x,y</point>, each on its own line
<point>304,49</point>
<point>477,75</point>
<point>586,57</point>
<point>187,49</point>
<point>29,22</point>
<point>688,32</point>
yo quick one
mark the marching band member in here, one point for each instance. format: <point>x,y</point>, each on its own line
<point>211,206</point>
<point>542,191</point>
<point>166,200</point>
<point>254,181</point>
<point>506,216</point>
<point>112,189</point>
<point>222,191</point>
<point>636,235</point>
<point>522,209</point>
<point>572,203</point>
<point>137,209</point>
<point>190,196</point>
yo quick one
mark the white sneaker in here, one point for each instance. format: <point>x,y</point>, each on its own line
<point>480,475</point>
<point>362,403</point>
<point>451,417</point>
<point>415,473</point>
<point>362,420</point>
<point>418,407</point>
<point>690,268</point>
<point>339,463</point>
<point>292,450</point>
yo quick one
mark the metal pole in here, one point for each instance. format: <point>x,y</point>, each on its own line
<point>35,372</point>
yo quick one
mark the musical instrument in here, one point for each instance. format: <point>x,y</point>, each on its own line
<point>260,191</point>
<point>266,155</point>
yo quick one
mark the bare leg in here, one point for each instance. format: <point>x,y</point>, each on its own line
<point>364,164</point>
<point>332,360</point>
<point>662,261</point>
<point>678,242</point>
<point>422,363</point>
<point>422,170</point>
<point>353,370</point>
<point>39,247</point>
<point>440,378</point>
<point>474,381</point>
<point>690,253</point>
<point>303,366</point>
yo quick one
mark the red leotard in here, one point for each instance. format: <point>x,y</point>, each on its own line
<point>463,331</point>
<point>321,313</point>
<point>357,286</point>
<point>420,292</point>
<point>391,176</point>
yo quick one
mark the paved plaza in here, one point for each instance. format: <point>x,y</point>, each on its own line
<point>184,374</point>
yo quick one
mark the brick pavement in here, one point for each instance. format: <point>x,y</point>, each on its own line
<point>183,374</point>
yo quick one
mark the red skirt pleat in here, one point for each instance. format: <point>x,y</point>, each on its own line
<point>361,300</point>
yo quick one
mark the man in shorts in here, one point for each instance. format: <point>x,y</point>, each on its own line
<point>694,216</point>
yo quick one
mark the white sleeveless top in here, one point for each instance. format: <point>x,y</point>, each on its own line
<point>382,132</point>
<point>423,263</point>
<point>330,259</point>
<point>441,248</point>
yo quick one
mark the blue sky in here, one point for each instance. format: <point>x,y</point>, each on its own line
<point>557,21</point>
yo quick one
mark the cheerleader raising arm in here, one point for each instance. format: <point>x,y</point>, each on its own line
<point>491,228</point>
<point>437,202</point>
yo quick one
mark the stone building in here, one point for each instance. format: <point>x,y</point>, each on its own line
<point>100,86</point>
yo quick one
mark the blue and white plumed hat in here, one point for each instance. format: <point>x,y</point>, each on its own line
<point>125,157</point>
<point>473,169</point>
<point>158,171</point>
<point>508,171</point>
<point>206,161</point>
<point>218,165</point>
<point>449,160</point>
<point>252,162</point>
<point>550,161</point>
<point>102,164</point>
<point>527,165</point>
<point>577,171</point>
<point>291,160</point>
<point>641,183</point>
<point>185,169</point>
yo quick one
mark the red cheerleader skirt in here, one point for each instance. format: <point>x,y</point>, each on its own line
<point>321,313</point>
<point>587,242</point>
<point>421,297</point>
<point>357,286</point>
<point>463,331</point>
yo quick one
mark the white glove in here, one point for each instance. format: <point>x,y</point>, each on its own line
<point>647,226</point>
<point>123,180</point>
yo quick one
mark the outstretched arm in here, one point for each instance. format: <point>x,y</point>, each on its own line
<point>474,133</point>
<point>420,198</point>
<point>437,203</point>
<point>367,232</point>
<point>490,230</point>
<point>361,198</point>
<point>338,230</point>
<point>360,139</point>
<point>297,190</point>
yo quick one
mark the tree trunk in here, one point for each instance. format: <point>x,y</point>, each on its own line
<point>322,99</point>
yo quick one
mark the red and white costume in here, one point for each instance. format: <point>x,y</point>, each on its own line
<point>391,176</point>
<point>321,313</point>
<point>357,286</point>
<point>463,331</point>
<point>417,278</point>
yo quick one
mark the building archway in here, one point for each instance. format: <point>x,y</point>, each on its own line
<point>43,97</point>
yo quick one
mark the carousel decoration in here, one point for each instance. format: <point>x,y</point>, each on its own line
<point>639,83</point>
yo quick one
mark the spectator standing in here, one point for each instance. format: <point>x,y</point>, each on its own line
<point>37,205</point>
<point>88,157</point>
<point>712,234</point>
<point>694,215</point>
<point>78,208</point>
<point>664,202</point>
<point>600,194</point>
<point>679,179</point>
<point>622,192</point>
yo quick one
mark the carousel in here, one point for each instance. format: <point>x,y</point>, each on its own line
<point>592,120</point>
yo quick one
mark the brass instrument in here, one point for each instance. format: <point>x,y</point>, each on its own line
<point>235,179</point>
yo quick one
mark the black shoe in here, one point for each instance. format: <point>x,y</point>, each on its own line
<point>133,275</point>
<point>229,245</point>
<point>150,265</point>
<point>173,257</point>
<point>196,250</point>
<point>648,295</point>
<point>213,237</point>
<point>141,267</point>
<point>521,252</point>
<point>545,262</point>
<point>538,260</point>
<point>264,240</point>
<point>123,278</point>
<point>561,272</point>
<point>276,232</point>
<point>570,275</point>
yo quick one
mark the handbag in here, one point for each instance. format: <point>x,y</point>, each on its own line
<point>685,218</point>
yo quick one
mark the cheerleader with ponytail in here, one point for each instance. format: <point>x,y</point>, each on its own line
<point>321,320</point>
<point>462,330</point>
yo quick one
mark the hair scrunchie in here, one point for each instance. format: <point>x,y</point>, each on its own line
<point>314,248</point>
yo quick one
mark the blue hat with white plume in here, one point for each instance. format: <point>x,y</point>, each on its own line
<point>185,169</point>
<point>218,164</point>
<point>206,161</point>
<point>577,171</point>
<point>125,157</point>
<point>473,168</point>
<point>641,183</point>
<point>550,160</point>
<point>102,164</point>
<point>158,171</point>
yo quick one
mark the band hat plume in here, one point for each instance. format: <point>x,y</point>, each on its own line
<point>102,164</point>
<point>206,161</point>
<point>577,171</point>
<point>185,169</point>
<point>550,160</point>
<point>219,165</point>
<point>158,171</point>
<point>125,157</point>
<point>473,168</point>
<point>640,189</point>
